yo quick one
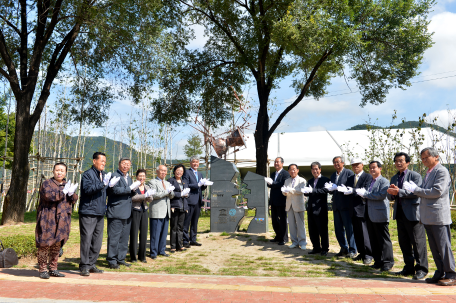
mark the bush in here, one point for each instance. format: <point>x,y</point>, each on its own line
<point>453,219</point>
<point>24,246</point>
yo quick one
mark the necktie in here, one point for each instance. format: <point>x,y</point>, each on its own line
<point>196,176</point>
<point>356,180</point>
<point>101,177</point>
<point>292,183</point>
<point>275,177</point>
<point>163,182</point>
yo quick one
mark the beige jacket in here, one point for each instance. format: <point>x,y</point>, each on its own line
<point>297,199</point>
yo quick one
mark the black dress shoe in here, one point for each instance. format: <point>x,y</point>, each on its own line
<point>85,273</point>
<point>368,260</point>
<point>124,264</point>
<point>375,266</point>
<point>56,273</point>
<point>419,275</point>
<point>433,280</point>
<point>44,275</point>
<point>358,258</point>
<point>164,255</point>
<point>195,244</point>
<point>273,240</point>
<point>153,257</point>
<point>144,261</point>
<point>186,245</point>
<point>385,268</point>
<point>342,253</point>
<point>114,266</point>
<point>314,252</point>
<point>324,253</point>
<point>404,273</point>
<point>281,243</point>
<point>96,270</point>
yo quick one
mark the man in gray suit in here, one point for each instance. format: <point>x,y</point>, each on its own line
<point>411,235</point>
<point>377,218</point>
<point>160,212</point>
<point>435,215</point>
<point>119,214</point>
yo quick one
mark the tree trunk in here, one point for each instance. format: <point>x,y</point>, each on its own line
<point>262,134</point>
<point>14,209</point>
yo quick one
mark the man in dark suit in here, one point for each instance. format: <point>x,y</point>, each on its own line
<point>358,210</point>
<point>119,214</point>
<point>317,210</point>
<point>195,200</point>
<point>278,201</point>
<point>410,232</point>
<point>342,217</point>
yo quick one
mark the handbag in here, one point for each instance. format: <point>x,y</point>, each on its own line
<point>8,257</point>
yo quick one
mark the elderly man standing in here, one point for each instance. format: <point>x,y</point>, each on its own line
<point>410,232</point>
<point>277,201</point>
<point>295,207</point>
<point>195,200</point>
<point>317,211</point>
<point>435,215</point>
<point>358,209</point>
<point>378,218</point>
<point>160,212</point>
<point>119,214</point>
<point>342,217</point>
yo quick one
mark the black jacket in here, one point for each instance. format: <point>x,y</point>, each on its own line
<point>318,198</point>
<point>93,193</point>
<point>178,201</point>
<point>196,193</point>
<point>276,196</point>
<point>119,198</point>
<point>338,199</point>
<point>358,204</point>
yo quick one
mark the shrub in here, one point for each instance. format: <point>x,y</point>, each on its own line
<point>453,219</point>
<point>24,246</point>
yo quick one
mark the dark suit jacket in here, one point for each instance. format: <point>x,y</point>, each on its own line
<point>338,198</point>
<point>119,198</point>
<point>276,196</point>
<point>93,193</point>
<point>409,201</point>
<point>357,203</point>
<point>178,201</point>
<point>318,198</point>
<point>196,193</point>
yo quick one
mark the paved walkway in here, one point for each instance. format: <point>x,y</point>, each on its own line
<point>24,286</point>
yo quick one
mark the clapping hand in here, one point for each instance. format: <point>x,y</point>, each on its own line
<point>286,189</point>
<point>106,179</point>
<point>342,188</point>
<point>307,190</point>
<point>72,189</point>
<point>268,180</point>
<point>66,189</point>
<point>330,186</point>
<point>185,192</point>
<point>410,186</point>
<point>349,191</point>
<point>150,193</point>
<point>114,181</point>
<point>135,185</point>
<point>170,189</point>
<point>361,192</point>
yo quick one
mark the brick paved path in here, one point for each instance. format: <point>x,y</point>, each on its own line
<point>134,287</point>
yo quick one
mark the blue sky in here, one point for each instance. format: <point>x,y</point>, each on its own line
<point>428,95</point>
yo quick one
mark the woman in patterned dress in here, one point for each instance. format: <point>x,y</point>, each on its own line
<point>53,220</point>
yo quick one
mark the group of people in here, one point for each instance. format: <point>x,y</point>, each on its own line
<point>361,207</point>
<point>130,207</point>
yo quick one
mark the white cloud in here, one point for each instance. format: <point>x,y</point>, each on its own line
<point>443,118</point>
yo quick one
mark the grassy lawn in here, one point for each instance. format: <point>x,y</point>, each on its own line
<point>234,254</point>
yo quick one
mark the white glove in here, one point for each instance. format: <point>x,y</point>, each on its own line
<point>149,193</point>
<point>106,179</point>
<point>342,188</point>
<point>135,185</point>
<point>307,190</point>
<point>114,181</point>
<point>349,191</point>
<point>268,180</point>
<point>292,191</point>
<point>72,189</point>
<point>66,189</point>
<point>410,186</point>
<point>330,186</point>
<point>185,192</point>
<point>286,189</point>
<point>361,192</point>
<point>170,189</point>
<point>208,183</point>
<point>200,183</point>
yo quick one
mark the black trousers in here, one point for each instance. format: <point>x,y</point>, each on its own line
<point>139,222</point>
<point>382,248</point>
<point>361,235</point>
<point>177,228</point>
<point>191,222</point>
<point>318,230</point>
<point>118,234</point>
<point>279,222</point>
<point>91,232</point>
<point>412,240</point>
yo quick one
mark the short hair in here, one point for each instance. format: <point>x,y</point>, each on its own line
<point>281,159</point>
<point>379,165</point>
<point>193,158</point>
<point>60,163</point>
<point>124,159</point>
<point>432,151</point>
<point>178,166</point>
<point>341,159</point>
<point>315,163</point>
<point>400,154</point>
<point>141,170</point>
<point>289,166</point>
<point>98,154</point>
